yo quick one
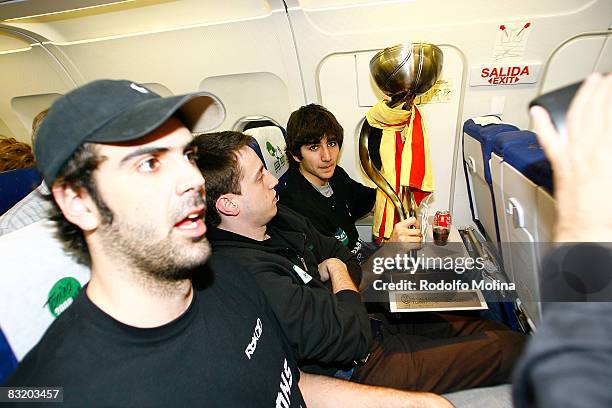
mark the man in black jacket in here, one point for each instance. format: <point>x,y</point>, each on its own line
<point>305,277</point>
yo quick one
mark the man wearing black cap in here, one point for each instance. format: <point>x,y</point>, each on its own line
<point>119,163</point>
<point>154,327</point>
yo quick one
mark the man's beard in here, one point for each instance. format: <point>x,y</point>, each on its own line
<point>170,259</point>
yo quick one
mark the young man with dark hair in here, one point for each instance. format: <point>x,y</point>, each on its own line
<point>305,277</point>
<point>322,191</point>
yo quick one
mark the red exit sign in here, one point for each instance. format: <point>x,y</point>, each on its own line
<point>510,74</point>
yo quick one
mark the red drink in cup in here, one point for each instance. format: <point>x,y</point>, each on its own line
<point>441,227</point>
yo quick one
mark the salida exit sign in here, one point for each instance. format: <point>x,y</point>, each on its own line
<point>504,74</point>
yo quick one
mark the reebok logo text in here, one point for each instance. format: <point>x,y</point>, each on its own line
<point>250,348</point>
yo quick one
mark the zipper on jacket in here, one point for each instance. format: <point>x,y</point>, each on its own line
<point>303,262</point>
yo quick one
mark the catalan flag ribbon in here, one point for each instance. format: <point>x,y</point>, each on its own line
<point>404,153</point>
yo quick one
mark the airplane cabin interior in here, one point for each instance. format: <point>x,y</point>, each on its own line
<point>263,59</point>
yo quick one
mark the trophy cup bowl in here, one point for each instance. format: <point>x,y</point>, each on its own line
<point>411,68</point>
<point>400,72</point>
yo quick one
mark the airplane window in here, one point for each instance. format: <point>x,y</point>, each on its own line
<point>250,122</point>
<point>27,107</point>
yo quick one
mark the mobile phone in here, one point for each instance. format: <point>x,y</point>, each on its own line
<point>557,103</point>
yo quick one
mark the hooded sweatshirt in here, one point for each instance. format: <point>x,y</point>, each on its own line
<point>327,331</point>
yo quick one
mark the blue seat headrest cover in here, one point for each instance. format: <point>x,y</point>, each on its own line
<point>270,145</point>
<point>531,161</point>
<point>516,137</point>
<point>486,135</point>
<point>15,185</point>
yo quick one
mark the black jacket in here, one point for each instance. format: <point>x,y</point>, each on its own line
<point>350,201</point>
<point>330,329</point>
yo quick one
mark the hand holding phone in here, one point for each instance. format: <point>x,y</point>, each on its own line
<point>582,162</point>
<point>557,104</point>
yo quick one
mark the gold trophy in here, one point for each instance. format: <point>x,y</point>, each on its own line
<point>401,72</point>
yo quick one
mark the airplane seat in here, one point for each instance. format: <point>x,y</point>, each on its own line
<point>38,282</point>
<point>269,143</point>
<point>478,141</point>
<point>524,169</point>
<point>15,185</point>
<point>502,142</point>
<point>8,362</point>
<point>540,172</point>
<point>531,161</point>
<point>494,396</point>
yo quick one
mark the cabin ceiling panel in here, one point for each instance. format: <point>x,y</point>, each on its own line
<point>180,59</point>
<point>11,9</point>
<point>141,16</point>
<point>342,16</point>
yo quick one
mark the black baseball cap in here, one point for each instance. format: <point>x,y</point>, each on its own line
<point>110,111</point>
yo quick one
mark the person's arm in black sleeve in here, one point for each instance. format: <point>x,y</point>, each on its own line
<point>319,325</point>
<point>361,198</point>
<point>569,362</point>
<point>327,247</point>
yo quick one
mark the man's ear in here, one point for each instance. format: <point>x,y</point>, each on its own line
<point>297,159</point>
<point>225,205</point>
<point>77,206</point>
